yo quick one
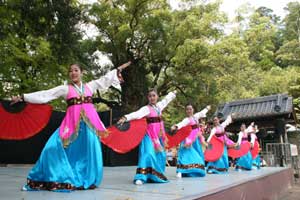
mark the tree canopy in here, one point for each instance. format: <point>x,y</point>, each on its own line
<point>191,49</point>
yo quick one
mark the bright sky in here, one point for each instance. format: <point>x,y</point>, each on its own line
<point>229,6</point>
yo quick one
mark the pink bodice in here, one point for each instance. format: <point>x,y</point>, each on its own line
<point>244,137</point>
<point>75,113</point>
<point>221,134</point>
<point>156,129</point>
<point>194,133</point>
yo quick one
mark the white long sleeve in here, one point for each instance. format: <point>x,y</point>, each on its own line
<point>250,129</point>
<point>240,138</point>
<point>183,123</point>
<point>196,116</point>
<point>142,112</point>
<point>45,96</point>
<point>253,138</point>
<point>163,103</point>
<point>227,121</point>
<point>103,83</point>
<point>212,133</point>
<point>201,114</point>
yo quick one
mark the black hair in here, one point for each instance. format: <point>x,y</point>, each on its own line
<point>189,104</point>
<point>152,90</point>
<point>77,65</point>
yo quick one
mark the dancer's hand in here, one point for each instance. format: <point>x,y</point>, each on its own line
<point>208,107</point>
<point>205,144</point>
<point>233,115</point>
<point>122,120</point>
<point>16,99</point>
<point>173,128</point>
<point>121,67</point>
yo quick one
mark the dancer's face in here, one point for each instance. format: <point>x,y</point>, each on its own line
<point>189,110</point>
<point>75,74</point>
<point>243,127</point>
<point>152,97</point>
<point>216,121</point>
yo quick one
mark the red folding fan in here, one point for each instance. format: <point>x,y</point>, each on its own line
<point>179,136</point>
<point>215,149</point>
<point>255,150</point>
<point>239,151</point>
<point>123,138</point>
<point>22,120</point>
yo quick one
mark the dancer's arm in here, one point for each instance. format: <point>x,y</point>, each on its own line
<point>212,133</point>
<point>250,128</point>
<point>163,103</point>
<point>202,113</point>
<point>227,121</point>
<point>253,138</point>
<point>240,138</point>
<point>142,112</point>
<point>181,124</point>
<point>112,78</point>
<point>45,96</point>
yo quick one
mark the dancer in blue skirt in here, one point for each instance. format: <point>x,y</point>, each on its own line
<point>190,155</point>
<point>221,165</point>
<point>152,155</point>
<point>256,162</point>
<point>72,157</point>
<point>244,162</point>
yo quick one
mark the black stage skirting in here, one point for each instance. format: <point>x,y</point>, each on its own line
<point>28,151</point>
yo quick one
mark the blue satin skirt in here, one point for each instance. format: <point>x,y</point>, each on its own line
<point>191,160</point>
<point>221,165</point>
<point>244,162</point>
<point>152,164</point>
<point>79,166</point>
<point>256,162</point>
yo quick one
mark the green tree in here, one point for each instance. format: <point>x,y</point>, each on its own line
<point>151,34</point>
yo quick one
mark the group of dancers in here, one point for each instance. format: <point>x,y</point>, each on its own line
<point>72,157</point>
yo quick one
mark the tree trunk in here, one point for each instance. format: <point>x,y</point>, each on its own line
<point>134,90</point>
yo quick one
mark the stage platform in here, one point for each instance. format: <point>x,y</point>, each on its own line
<point>267,183</point>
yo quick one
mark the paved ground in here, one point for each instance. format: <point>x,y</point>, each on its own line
<point>117,185</point>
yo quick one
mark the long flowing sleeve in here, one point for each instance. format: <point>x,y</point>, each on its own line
<point>212,133</point>
<point>142,112</point>
<point>163,103</point>
<point>103,83</point>
<point>183,123</point>
<point>253,138</point>
<point>240,138</point>
<point>250,129</point>
<point>201,114</point>
<point>227,121</point>
<point>45,96</point>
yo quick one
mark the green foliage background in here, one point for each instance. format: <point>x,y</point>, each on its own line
<point>191,49</point>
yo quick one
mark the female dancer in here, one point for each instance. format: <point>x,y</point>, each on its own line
<point>190,155</point>
<point>72,157</point>
<point>152,156</point>
<point>221,165</point>
<point>244,162</point>
<point>255,161</point>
